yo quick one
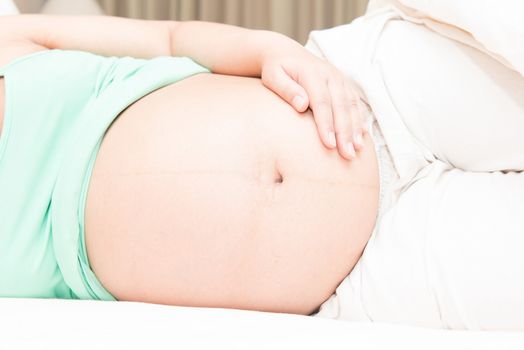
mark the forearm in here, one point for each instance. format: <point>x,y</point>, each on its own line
<point>226,49</point>
<point>104,35</point>
<point>223,48</point>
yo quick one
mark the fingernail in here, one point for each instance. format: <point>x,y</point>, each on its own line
<point>350,149</point>
<point>358,139</point>
<point>332,140</point>
<point>298,102</point>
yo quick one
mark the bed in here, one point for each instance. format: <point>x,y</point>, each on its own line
<point>66,324</point>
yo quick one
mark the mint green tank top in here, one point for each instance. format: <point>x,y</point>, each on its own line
<point>58,106</point>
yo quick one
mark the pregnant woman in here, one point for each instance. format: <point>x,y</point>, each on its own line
<point>153,180</point>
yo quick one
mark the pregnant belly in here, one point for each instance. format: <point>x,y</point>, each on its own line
<point>214,192</point>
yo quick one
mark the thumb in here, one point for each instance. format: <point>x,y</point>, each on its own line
<point>287,88</point>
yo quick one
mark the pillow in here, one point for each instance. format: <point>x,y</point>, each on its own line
<point>496,24</point>
<point>7,7</point>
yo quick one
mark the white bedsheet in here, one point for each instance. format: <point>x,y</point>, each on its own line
<point>28,324</point>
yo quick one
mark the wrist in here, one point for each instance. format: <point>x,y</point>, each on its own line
<point>270,45</point>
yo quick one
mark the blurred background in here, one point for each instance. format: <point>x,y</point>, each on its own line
<point>295,18</point>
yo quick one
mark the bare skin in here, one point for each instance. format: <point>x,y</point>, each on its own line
<point>214,191</point>
<point>197,199</point>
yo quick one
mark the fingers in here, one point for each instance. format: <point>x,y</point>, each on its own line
<point>346,120</point>
<point>335,104</point>
<point>356,114</point>
<point>321,105</point>
<point>336,109</point>
<point>287,88</point>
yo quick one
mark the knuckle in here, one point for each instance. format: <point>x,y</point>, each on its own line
<point>353,102</point>
<point>269,79</point>
<point>344,131</point>
<point>344,105</point>
<point>351,93</point>
<point>322,102</point>
<point>272,75</point>
<point>289,88</point>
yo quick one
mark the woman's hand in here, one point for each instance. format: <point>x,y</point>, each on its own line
<point>306,81</point>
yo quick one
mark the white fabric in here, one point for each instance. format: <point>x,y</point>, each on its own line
<point>65,325</point>
<point>387,173</point>
<point>375,4</point>
<point>7,7</point>
<point>448,253</point>
<point>497,24</point>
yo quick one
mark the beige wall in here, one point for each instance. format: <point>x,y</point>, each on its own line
<point>291,17</point>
